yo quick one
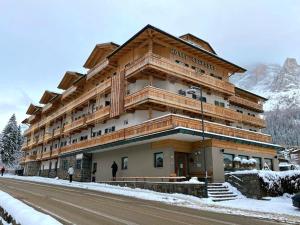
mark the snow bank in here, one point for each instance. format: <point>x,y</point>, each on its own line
<point>24,214</point>
<point>193,180</point>
<point>276,183</point>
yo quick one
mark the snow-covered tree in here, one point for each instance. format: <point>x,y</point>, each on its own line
<point>11,142</point>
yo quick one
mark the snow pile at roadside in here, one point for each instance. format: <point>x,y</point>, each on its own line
<point>193,180</point>
<point>22,213</point>
<point>276,179</point>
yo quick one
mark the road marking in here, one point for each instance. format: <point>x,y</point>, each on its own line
<point>48,212</point>
<point>97,213</point>
<point>191,215</point>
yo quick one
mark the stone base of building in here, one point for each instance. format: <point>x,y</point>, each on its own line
<point>197,190</point>
<point>81,164</point>
<point>32,168</point>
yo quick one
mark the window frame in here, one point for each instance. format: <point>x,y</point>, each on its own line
<point>156,165</point>
<point>124,164</point>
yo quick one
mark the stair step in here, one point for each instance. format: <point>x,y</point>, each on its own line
<point>223,196</point>
<point>215,184</point>
<point>217,189</point>
<point>220,193</point>
<point>222,199</point>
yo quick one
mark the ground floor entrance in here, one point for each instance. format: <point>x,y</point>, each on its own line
<point>181,163</point>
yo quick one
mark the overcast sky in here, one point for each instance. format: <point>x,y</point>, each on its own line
<point>40,40</point>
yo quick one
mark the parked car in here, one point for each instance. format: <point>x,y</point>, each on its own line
<point>296,200</point>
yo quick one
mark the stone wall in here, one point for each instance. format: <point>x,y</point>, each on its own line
<point>80,174</point>
<point>32,168</point>
<point>248,184</point>
<point>197,190</point>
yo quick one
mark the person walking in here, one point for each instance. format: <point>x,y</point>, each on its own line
<point>70,172</point>
<point>114,168</point>
<point>2,171</point>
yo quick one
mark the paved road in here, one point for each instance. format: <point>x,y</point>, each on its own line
<point>86,207</point>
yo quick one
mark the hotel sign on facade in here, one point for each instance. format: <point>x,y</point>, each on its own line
<point>191,59</point>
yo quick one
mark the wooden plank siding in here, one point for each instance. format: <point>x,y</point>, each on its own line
<point>117,94</point>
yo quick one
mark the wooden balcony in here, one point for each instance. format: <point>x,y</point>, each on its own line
<point>38,156</point>
<point>67,93</point>
<point>236,100</point>
<point>171,68</point>
<point>47,107</point>
<point>101,88</point>
<point>75,125</point>
<point>31,118</point>
<point>29,158</point>
<point>47,137</point>
<point>57,132</point>
<point>98,115</point>
<point>40,140</point>
<point>32,143</point>
<point>159,96</point>
<point>55,153</point>
<point>22,160</point>
<point>97,68</point>
<point>46,155</point>
<point>103,139</point>
<point>24,146</point>
<point>165,123</point>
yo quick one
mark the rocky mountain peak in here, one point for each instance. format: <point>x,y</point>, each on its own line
<point>290,65</point>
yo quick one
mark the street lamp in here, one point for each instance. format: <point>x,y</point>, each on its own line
<point>195,90</point>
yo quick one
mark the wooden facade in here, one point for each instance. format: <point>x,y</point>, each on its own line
<point>152,57</point>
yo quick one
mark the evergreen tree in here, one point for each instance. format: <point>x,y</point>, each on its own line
<point>11,142</point>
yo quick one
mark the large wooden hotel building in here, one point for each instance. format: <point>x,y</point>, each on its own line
<point>133,107</point>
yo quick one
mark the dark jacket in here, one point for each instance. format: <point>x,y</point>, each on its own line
<point>114,167</point>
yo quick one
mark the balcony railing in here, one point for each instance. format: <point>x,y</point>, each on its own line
<point>165,123</point>
<point>39,156</point>
<point>30,158</point>
<point>97,68</point>
<point>246,103</point>
<point>47,107</point>
<point>102,87</point>
<point>98,115</point>
<point>160,96</point>
<point>166,65</point>
<point>57,132</point>
<point>55,153</point>
<point>46,155</point>
<point>48,137</point>
<point>68,92</point>
<point>75,124</point>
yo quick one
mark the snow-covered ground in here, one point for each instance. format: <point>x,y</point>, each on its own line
<point>23,213</point>
<point>279,208</point>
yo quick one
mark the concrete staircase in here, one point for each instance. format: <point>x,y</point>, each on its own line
<point>219,192</point>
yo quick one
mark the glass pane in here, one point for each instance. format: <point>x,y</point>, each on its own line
<point>159,159</point>
<point>228,161</point>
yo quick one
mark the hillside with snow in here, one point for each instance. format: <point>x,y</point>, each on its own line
<point>281,85</point>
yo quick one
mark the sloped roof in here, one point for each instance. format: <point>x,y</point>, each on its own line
<point>47,96</point>
<point>68,79</point>
<point>99,53</point>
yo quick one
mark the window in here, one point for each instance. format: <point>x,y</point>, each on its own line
<point>203,99</point>
<point>228,161</point>
<point>258,164</point>
<point>239,127</point>
<point>243,157</point>
<point>110,129</point>
<point>253,130</point>
<point>99,133</point>
<point>182,92</point>
<point>94,168</point>
<point>124,163</point>
<point>65,164</point>
<point>158,159</point>
<point>125,122</point>
<point>269,163</point>
<point>56,164</point>
<point>74,141</point>
<point>78,164</point>
<point>107,103</point>
<point>239,111</point>
<point>221,104</point>
<point>194,96</point>
<point>94,134</point>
